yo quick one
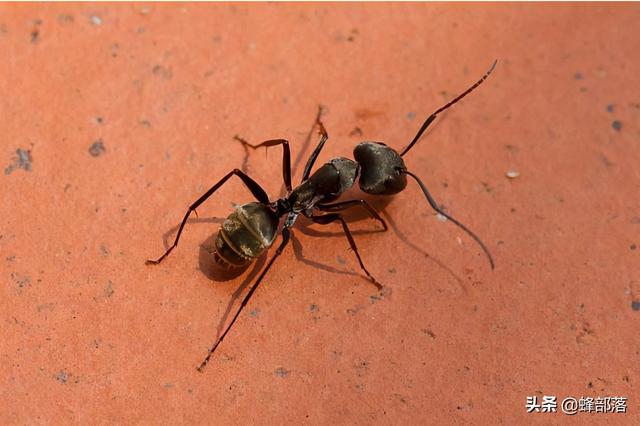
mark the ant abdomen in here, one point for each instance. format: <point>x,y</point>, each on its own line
<point>380,168</point>
<point>245,234</point>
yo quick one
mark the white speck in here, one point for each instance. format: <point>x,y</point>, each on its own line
<point>512,174</point>
<point>459,240</point>
<point>441,217</point>
<point>96,20</point>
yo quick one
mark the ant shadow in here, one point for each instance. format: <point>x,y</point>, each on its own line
<point>402,237</point>
<point>357,215</point>
<point>217,272</point>
<point>303,226</point>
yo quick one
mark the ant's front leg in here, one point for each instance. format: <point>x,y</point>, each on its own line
<point>286,156</point>
<point>332,217</point>
<point>314,155</point>
<point>352,203</point>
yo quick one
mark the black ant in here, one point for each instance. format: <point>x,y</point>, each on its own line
<point>252,228</point>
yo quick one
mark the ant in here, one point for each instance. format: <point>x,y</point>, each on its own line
<point>253,227</point>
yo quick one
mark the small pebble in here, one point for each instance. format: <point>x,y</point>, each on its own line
<point>96,20</point>
<point>97,148</point>
<point>512,174</point>
<point>281,372</point>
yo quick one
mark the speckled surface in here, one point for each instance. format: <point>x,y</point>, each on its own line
<point>115,117</point>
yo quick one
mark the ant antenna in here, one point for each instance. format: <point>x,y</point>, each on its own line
<point>432,117</point>
<point>433,204</point>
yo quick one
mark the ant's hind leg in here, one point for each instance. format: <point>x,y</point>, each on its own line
<point>285,240</point>
<point>253,186</point>
<point>332,217</point>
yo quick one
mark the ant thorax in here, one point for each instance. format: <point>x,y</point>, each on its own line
<point>330,181</point>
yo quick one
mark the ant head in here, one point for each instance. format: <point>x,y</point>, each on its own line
<point>381,167</point>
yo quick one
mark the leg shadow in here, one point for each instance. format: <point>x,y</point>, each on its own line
<point>392,224</point>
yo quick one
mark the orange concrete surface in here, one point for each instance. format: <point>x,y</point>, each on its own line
<point>115,117</point>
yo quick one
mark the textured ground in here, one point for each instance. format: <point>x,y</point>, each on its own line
<point>115,117</point>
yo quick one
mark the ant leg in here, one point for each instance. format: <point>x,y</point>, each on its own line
<point>352,203</point>
<point>434,206</point>
<point>332,217</point>
<point>432,117</point>
<point>285,240</point>
<point>253,186</point>
<point>286,156</point>
<point>314,155</point>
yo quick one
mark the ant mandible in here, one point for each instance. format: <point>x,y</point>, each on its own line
<point>252,228</point>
